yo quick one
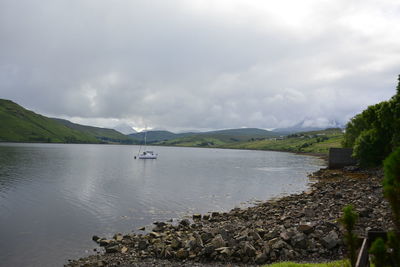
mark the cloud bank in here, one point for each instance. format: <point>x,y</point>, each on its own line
<point>199,64</point>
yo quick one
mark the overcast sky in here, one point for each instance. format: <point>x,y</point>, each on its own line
<point>199,64</point>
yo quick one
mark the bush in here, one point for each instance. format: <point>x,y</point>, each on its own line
<point>389,254</point>
<point>348,220</point>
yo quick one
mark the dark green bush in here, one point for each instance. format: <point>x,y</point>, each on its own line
<point>348,220</point>
<point>379,252</point>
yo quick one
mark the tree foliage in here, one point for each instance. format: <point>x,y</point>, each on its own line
<point>375,132</point>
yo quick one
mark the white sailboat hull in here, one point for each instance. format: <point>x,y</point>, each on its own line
<point>148,155</point>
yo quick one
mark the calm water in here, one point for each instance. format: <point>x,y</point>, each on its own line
<point>54,197</point>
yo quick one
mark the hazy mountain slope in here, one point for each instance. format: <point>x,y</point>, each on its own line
<point>18,124</point>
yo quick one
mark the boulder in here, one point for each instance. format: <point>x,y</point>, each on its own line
<point>306,228</point>
<point>331,240</point>
<point>218,241</point>
<point>182,254</point>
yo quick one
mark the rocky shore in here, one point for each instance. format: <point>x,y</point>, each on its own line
<point>302,227</point>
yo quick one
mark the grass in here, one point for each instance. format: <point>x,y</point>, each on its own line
<point>21,125</point>
<point>317,142</point>
<point>341,263</point>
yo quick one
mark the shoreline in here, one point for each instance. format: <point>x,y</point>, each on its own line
<point>298,227</point>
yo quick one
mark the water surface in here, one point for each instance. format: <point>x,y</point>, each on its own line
<point>54,197</point>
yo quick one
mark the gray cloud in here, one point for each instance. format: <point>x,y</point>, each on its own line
<point>199,64</point>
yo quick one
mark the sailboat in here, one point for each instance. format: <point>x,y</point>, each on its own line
<point>146,154</point>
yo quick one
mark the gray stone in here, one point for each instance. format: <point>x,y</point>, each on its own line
<point>249,250</point>
<point>143,244</point>
<point>306,228</point>
<point>299,241</point>
<point>185,222</point>
<point>218,241</point>
<point>196,216</point>
<point>331,240</point>
<point>112,249</point>
<point>261,258</point>
<point>182,254</point>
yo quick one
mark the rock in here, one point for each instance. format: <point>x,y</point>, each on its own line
<point>215,214</point>
<point>249,250</point>
<point>196,216</point>
<point>272,234</point>
<point>112,249</point>
<point>104,242</point>
<point>118,237</point>
<point>206,236</point>
<point>182,254</point>
<point>175,244</point>
<point>142,245</point>
<point>142,228</point>
<point>95,238</point>
<point>184,222</point>
<point>309,212</point>
<point>277,243</point>
<point>124,249</point>
<point>154,235</point>
<point>227,251</point>
<point>206,217</point>
<point>306,228</point>
<point>299,241</point>
<point>207,250</point>
<point>331,240</point>
<point>261,258</point>
<point>218,241</point>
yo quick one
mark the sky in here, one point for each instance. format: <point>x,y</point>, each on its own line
<point>199,64</point>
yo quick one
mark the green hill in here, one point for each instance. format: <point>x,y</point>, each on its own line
<point>220,138</point>
<point>22,125</point>
<point>258,139</point>
<point>310,142</point>
<point>102,134</point>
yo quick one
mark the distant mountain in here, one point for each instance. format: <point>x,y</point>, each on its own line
<point>102,134</point>
<point>124,129</point>
<point>301,127</point>
<point>21,125</point>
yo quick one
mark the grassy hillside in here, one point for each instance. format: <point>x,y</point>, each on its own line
<point>21,125</point>
<point>312,142</point>
<point>222,138</point>
<point>102,134</point>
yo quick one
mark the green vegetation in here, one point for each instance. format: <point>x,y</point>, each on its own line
<point>375,133</point>
<point>348,220</point>
<point>388,254</point>
<point>21,125</point>
<point>312,142</point>
<point>102,134</point>
<point>342,263</point>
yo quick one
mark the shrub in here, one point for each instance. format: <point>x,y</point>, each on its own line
<point>348,220</point>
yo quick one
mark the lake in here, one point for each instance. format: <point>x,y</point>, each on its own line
<point>55,197</point>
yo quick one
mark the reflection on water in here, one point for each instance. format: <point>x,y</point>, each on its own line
<point>54,197</point>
